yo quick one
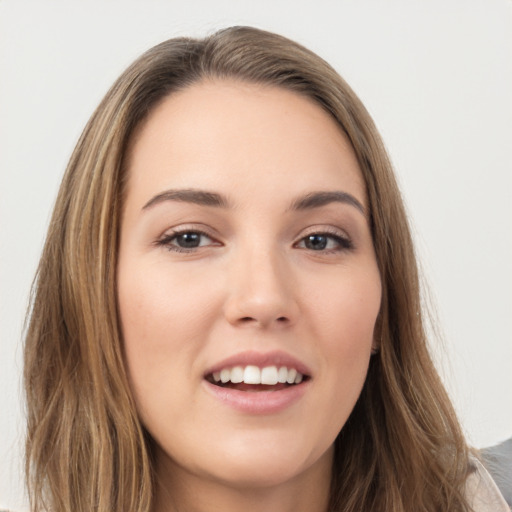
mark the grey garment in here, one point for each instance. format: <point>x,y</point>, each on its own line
<point>482,492</point>
<point>498,461</point>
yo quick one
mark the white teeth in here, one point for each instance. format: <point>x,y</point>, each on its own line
<point>225,375</point>
<point>252,375</point>
<point>269,375</point>
<point>282,374</point>
<point>237,374</point>
<point>292,373</point>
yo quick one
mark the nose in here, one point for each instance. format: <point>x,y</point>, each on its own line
<point>261,291</point>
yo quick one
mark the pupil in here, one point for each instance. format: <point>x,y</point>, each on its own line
<point>188,240</point>
<point>316,242</point>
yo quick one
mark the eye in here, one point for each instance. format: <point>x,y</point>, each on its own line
<point>186,241</point>
<point>327,242</point>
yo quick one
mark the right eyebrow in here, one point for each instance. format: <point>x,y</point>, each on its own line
<point>189,195</point>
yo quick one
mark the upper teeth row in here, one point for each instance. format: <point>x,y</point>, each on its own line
<point>269,375</point>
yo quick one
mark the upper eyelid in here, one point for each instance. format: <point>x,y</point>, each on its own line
<point>189,228</point>
<point>167,241</point>
<point>341,239</point>
<point>323,230</point>
<point>209,232</point>
<point>167,237</point>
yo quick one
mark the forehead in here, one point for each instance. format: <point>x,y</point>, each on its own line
<point>215,133</point>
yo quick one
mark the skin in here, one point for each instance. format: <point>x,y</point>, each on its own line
<point>253,283</point>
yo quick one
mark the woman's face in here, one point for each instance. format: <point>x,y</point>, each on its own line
<point>245,254</point>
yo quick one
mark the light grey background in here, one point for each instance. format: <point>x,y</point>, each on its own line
<point>436,75</point>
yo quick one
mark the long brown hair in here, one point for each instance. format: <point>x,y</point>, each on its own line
<point>401,448</point>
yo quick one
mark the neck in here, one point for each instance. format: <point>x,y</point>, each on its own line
<point>178,490</point>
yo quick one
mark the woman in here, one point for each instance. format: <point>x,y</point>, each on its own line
<point>227,309</point>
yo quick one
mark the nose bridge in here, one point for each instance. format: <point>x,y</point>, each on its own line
<point>261,290</point>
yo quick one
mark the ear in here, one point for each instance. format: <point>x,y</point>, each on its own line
<point>377,334</point>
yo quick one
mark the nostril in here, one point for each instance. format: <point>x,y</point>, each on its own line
<point>250,319</point>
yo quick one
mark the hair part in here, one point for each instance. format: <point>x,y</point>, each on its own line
<point>400,450</point>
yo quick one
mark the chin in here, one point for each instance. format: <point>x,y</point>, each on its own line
<point>267,466</point>
<point>248,475</point>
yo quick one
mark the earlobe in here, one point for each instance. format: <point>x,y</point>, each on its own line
<point>377,334</point>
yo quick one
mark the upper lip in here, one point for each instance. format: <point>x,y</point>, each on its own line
<point>261,359</point>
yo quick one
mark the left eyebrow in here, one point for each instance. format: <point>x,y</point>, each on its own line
<point>318,199</point>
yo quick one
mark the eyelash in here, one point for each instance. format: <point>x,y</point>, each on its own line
<point>166,240</point>
<point>343,242</point>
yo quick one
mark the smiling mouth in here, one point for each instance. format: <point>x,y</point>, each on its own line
<point>253,379</point>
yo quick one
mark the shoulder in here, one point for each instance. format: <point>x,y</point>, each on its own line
<point>482,493</point>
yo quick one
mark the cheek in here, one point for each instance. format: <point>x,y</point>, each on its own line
<point>159,304</point>
<point>346,312</point>
<point>147,298</point>
<point>161,328</point>
<point>346,317</point>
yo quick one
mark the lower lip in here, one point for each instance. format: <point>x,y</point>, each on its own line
<point>258,402</point>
